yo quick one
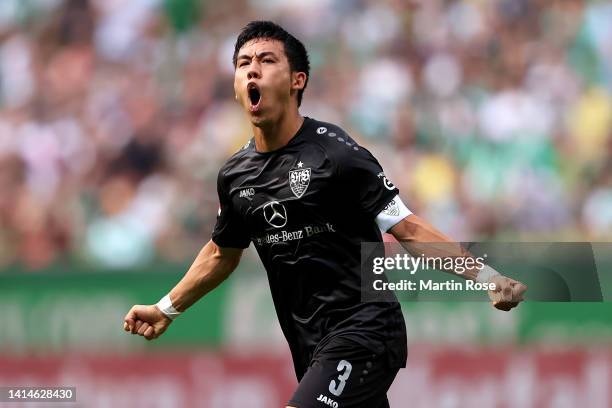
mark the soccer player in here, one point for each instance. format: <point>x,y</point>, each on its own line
<point>306,195</point>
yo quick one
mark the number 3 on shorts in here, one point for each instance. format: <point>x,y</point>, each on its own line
<point>337,389</point>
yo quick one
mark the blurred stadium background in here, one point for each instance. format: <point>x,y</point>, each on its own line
<point>494,118</point>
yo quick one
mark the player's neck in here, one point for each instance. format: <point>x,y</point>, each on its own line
<point>274,135</point>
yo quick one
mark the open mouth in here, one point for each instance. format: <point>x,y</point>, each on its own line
<point>254,96</point>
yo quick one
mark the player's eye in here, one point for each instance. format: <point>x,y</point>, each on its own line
<point>268,60</point>
<point>243,63</point>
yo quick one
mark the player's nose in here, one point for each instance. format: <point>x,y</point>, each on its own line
<point>253,72</point>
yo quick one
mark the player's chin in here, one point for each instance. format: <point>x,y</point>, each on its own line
<point>258,119</point>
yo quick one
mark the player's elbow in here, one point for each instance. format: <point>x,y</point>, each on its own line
<point>225,259</point>
<point>407,229</point>
<point>415,229</point>
<point>230,264</point>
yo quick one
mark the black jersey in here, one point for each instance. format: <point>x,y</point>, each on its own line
<point>307,207</point>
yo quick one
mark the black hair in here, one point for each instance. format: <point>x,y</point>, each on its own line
<point>294,49</point>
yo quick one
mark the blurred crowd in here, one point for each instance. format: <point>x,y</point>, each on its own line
<point>493,117</point>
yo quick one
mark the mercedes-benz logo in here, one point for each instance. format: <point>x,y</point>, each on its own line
<point>275,214</point>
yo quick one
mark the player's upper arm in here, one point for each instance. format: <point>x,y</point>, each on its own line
<point>228,256</point>
<point>229,231</point>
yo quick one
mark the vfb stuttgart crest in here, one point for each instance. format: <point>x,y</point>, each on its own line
<point>298,181</point>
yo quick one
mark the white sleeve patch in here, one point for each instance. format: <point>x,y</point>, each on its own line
<point>394,212</point>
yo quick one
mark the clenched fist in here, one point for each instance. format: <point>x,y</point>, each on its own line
<point>508,292</point>
<point>147,321</point>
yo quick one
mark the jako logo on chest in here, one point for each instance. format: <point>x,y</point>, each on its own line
<point>247,192</point>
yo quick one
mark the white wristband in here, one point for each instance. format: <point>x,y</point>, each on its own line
<point>485,274</point>
<point>165,305</point>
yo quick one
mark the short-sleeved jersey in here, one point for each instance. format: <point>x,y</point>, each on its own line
<point>307,207</point>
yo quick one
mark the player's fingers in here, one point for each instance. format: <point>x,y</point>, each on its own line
<point>149,334</point>
<point>495,296</point>
<point>518,290</point>
<point>126,326</point>
<point>131,325</point>
<point>517,297</point>
<point>143,328</point>
<point>506,293</point>
<point>131,315</point>
<point>136,326</point>
<point>129,322</point>
<point>498,286</point>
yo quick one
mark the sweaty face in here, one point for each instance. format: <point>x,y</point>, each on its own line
<point>263,80</point>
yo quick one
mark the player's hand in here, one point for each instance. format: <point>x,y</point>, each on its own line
<point>147,321</point>
<point>508,292</point>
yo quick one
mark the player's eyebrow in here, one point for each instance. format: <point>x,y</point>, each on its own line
<point>260,55</point>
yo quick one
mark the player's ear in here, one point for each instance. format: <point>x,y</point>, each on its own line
<point>298,80</point>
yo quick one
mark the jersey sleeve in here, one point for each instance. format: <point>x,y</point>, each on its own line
<point>365,182</point>
<point>229,232</point>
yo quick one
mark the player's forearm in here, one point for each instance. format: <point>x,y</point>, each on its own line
<point>419,237</point>
<point>211,267</point>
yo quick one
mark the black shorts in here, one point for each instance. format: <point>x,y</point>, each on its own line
<point>345,374</point>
